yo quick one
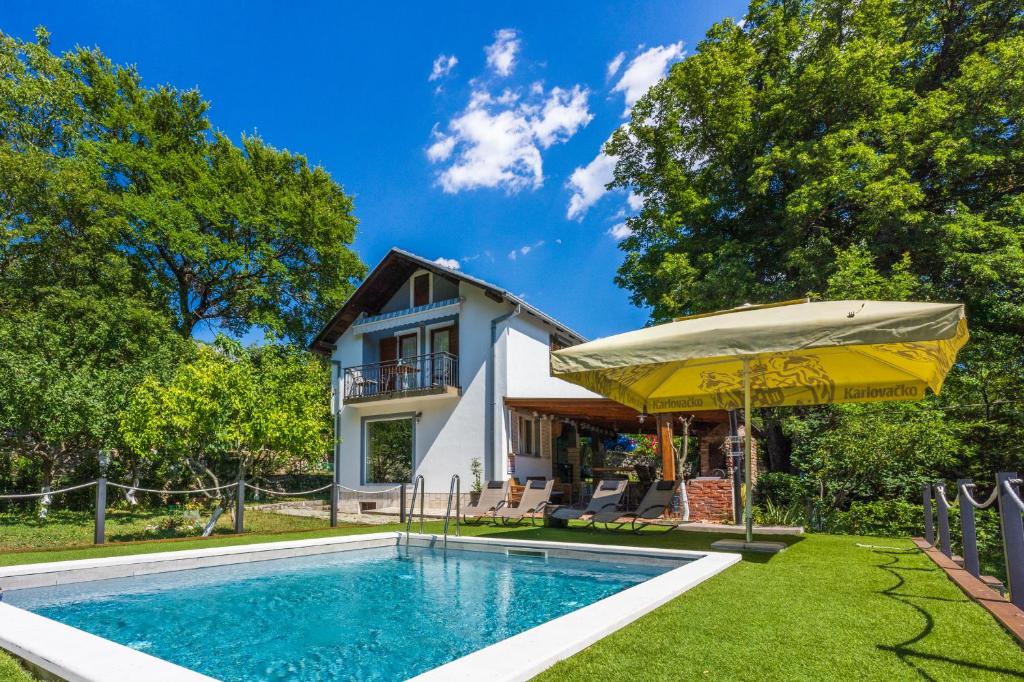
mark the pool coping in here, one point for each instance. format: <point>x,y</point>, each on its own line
<point>71,654</point>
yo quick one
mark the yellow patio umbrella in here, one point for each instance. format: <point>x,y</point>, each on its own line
<point>791,353</point>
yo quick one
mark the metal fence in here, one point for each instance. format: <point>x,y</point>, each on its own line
<point>402,375</point>
<point>1006,494</point>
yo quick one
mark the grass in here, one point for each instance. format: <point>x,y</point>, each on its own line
<point>11,671</point>
<point>827,608</point>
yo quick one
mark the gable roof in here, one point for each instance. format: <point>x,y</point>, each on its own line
<point>388,276</point>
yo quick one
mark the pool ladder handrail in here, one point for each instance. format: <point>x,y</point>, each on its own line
<point>418,485</point>
<point>453,487</point>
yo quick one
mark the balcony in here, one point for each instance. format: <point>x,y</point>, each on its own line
<point>435,374</point>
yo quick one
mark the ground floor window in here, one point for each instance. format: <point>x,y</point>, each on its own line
<point>529,436</point>
<point>389,449</point>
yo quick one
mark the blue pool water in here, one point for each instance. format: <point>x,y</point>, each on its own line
<point>371,614</point>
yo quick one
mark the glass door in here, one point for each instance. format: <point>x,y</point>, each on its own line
<point>440,357</point>
<point>407,352</point>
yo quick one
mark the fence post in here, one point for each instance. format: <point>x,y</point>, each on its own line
<point>334,504</point>
<point>401,504</point>
<point>101,511</point>
<point>1013,539</point>
<point>943,508</point>
<point>929,530</point>
<point>240,506</point>
<point>968,530</point>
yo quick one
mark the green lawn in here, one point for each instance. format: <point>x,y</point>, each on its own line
<point>825,609</point>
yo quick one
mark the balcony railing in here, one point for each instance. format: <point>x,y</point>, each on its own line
<point>422,374</point>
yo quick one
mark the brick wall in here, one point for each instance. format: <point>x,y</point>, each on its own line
<point>710,499</point>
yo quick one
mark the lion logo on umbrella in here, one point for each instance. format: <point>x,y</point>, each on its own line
<point>772,379</point>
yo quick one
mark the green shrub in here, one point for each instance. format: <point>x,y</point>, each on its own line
<point>886,518</point>
<point>769,513</point>
<point>781,489</point>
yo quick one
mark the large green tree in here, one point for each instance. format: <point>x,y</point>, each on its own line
<point>68,364</point>
<point>233,236</point>
<point>841,147</point>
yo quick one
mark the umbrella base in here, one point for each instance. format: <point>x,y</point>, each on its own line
<point>741,546</point>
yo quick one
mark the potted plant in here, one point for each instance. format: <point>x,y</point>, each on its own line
<point>477,470</point>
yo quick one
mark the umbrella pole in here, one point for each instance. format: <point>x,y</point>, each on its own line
<point>748,505</point>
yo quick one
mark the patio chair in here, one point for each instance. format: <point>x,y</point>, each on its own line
<point>606,498</point>
<point>531,504</point>
<point>651,511</point>
<point>493,496</point>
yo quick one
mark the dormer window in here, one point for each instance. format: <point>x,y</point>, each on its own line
<point>420,289</point>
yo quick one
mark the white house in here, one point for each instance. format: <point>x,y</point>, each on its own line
<point>433,369</point>
<point>424,358</point>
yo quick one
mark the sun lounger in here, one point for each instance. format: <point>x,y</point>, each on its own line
<point>493,496</point>
<point>606,498</point>
<point>531,504</point>
<point>651,511</point>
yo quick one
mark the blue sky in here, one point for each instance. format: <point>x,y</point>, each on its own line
<point>490,159</point>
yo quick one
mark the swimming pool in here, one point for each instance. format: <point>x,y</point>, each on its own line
<point>368,609</point>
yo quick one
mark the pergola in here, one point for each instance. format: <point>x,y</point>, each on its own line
<point>609,415</point>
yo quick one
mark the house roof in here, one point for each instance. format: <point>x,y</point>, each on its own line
<point>388,276</point>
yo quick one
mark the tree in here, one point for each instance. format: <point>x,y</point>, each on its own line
<point>232,409</point>
<point>841,148</point>
<point>226,235</point>
<point>874,451</point>
<point>67,367</point>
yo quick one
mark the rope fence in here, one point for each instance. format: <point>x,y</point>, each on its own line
<point>136,489</point>
<point>46,493</point>
<point>281,493</point>
<point>388,500</point>
<point>1006,495</point>
<point>965,494</point>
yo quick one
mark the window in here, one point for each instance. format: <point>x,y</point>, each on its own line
<point>420,290</point>
<point>529,436</point>
<point>407,346</point>
<point>388,448</point>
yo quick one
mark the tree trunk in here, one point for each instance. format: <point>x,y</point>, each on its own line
<point>778,446</point>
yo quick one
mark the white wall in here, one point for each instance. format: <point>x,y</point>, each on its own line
<point>530,373</point>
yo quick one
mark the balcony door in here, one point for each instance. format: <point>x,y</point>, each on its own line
<point>408,366</point>
<point>444,348</point>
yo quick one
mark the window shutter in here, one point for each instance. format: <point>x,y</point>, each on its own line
<point>514,428</point>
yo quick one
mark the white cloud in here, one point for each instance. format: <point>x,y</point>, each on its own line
<point>635,201</point>
<point>564,112</point>
<point>646,69</point>
<point>442,66</point>
<point>497,142</point>
<point>614,64</point>
<point>442,147</point>
<point>588,184</point>
<point>524,250</point>
<point>619,231</point>
<point>450,263</point>
<point>501,54</point>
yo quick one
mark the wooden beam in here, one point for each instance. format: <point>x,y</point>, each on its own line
<point>668,455</point>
